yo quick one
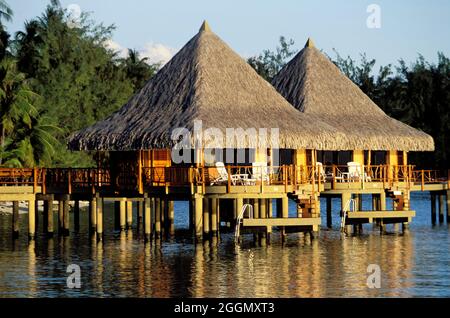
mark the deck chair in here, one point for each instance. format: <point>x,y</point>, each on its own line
<point>259,173</point>
<point>355,172</point>
<point>320,173</point>
<point>223,176</point>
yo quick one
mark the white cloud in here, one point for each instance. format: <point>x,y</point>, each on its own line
<point>158,53</point>
<point>155,52</point>
<point>116,47</point>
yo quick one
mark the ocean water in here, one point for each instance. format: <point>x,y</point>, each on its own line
<point>412,264</point>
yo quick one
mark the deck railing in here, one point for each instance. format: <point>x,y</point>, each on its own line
<point>81,179</point>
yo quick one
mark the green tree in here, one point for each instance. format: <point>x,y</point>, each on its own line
<point>80,80</point>
<point>25,139</point>
<point>137,69</point>
<point>269,63</point>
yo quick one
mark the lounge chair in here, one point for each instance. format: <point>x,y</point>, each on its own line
<point>223,176</point>
<point>355,172</point>
<point>259,173</point>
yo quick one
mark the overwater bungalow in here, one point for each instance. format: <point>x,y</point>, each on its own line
<point>209,130</point>
<point>378,144</point>
<point>206,84</point>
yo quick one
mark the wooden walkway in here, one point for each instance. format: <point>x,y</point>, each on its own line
<point>154,189</point>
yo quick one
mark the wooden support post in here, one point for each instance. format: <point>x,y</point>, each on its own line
<point>448,206</point>
<point>198,202</point>
<point>269,215</point>
<point>99,218</point>
<point>441,208</point>
<point>360,202</point>
<point>214,222</point>
<point>206,211</point>
<point>157,218</point>
<point>256,213</point>
<point>60,216</point>
<point>263,215</point>
<point>171,217</point>
<point>93,215</point>
<point>345,197</point>
<point>284,214</point>
<point>329,215</point>
<point>45,217</point>
<point>374,202</point>
<point>383,201</point>
<point>49,214</point>
<point>76,215</point>
<point>140,214</point>
<point>147,219</point>
<point>36,212</point>
<point>15,220</point>
<point>123,214</point>
<point>433,208</point>
<point>129,214</point>
<point>66,218</point>
<point>31,220</point>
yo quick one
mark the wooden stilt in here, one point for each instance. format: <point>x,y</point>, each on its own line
<point>171,217</point>
<point>448,206</point>
<point>263,215</point>
<point>441,208</point>
<point>157,218</point>
<point>45,217</point>
<point>93,215</point>
<point>269,215</point>
<point>60,216</point>
<point>284,214</point>
<point>36,217</point>
<point>147,219</point>
<point>50,227</point>
<point>140,214</point>
<point>129,214</point>
<point>198,218</point>
<point>163,215</point>
<point>99,219</point>
<point>329,215</point>
<point>31,220</point>
<point>433,208</point>
<point>383,201</point>
<point>66,218</point>
<point>15,220</point>
<point>206,212</point>
<point>214,223</point>
<point>123,214</point>
<point>76,215</point>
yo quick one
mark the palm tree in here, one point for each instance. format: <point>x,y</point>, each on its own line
<point>5,12</point>
<point>138,69</point>
<point>25,137</point>
<point>28,43</point>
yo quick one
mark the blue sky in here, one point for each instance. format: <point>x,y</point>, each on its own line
<point>159,28</point>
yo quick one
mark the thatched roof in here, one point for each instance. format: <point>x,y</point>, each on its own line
<point>205,81</point>
<point>315,86</point>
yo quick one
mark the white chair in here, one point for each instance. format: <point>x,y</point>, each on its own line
<point>355,172</point>
<point>259,173</point>
<point>320,173</point>
<point>223,175</point>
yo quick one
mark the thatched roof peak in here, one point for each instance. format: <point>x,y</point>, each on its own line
<point>205,27</point>
<point>309,43</point>
<point>206,81</point>
<point>315,86</point>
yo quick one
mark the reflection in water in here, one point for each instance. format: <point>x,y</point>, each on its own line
<point>122,265</point>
